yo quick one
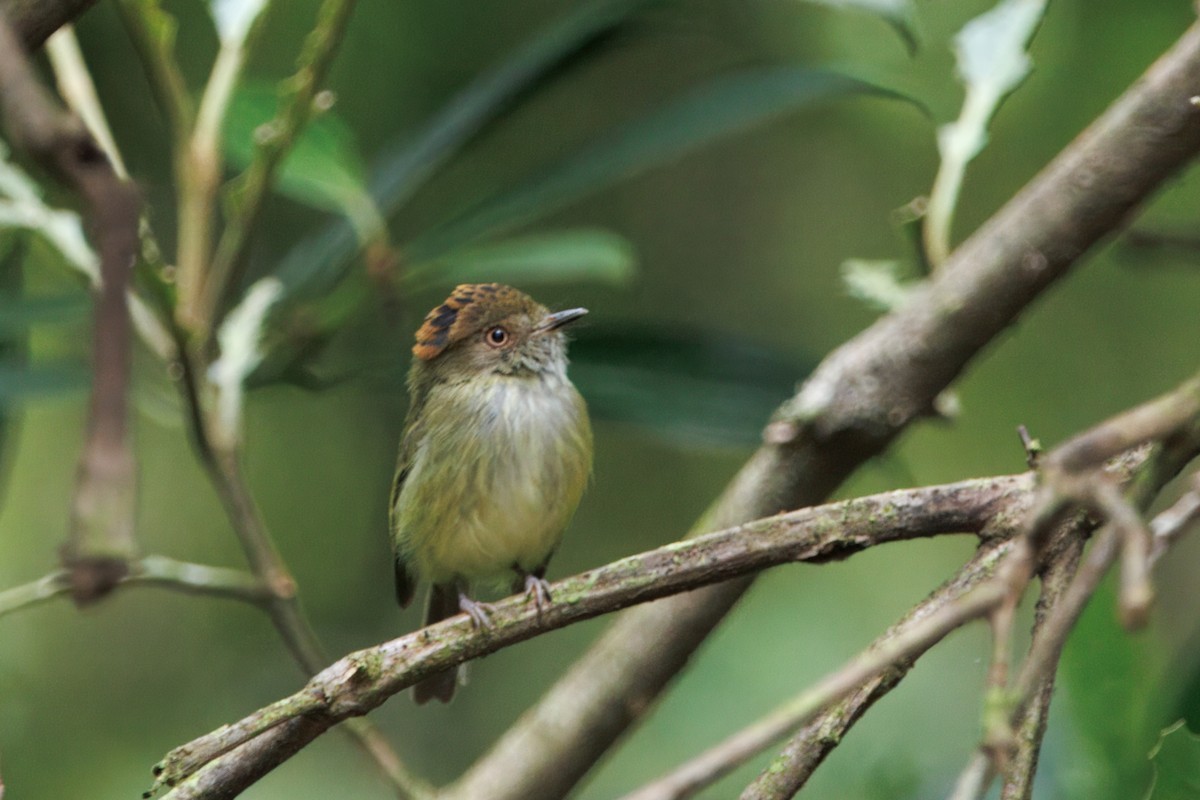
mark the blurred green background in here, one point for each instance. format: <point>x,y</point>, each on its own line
<point>738,244</point>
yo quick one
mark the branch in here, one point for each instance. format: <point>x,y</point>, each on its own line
<point>860,398</point>
<point>158,571</point>
<point>363,680</point>
<point>858,684</point>
<point>1030,728</point>
<point>102,515</point>
<point>34,20</point>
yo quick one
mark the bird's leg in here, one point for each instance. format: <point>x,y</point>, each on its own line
<point>536,587</point>
<point>479,612</point>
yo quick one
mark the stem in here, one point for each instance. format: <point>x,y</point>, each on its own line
<point>254,183</point>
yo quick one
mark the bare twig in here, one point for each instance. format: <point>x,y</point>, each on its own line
<point>1021,762</point>
<point>158,571</point>
<point>720,759</point>
<point>858,400</point>
<point>363,680</point>
<point>102,537</point>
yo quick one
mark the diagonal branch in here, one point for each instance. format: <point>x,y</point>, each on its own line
<point>363,680</point>
<point>34,20</point>
<point>861,397</point>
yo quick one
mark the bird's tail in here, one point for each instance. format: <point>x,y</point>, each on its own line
<point>443,603</point>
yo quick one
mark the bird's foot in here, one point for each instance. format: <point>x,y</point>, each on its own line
<point>537,589</point>
<point>480,613</point>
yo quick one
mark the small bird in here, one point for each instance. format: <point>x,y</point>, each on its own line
<point>496,452</point>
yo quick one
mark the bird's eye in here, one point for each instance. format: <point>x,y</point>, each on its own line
<point>497,336</point>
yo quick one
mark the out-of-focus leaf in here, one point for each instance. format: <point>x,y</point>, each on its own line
<point>20,383</point>
<point>234,18</point>
<point>897,13</point>
<point>1113,687</point>
<point>14,343</point>
<point>876,283</point>
<point>469,112</point>
<point>697,388</point>
<point>992,62</point>
<point>20,313</point>
<point>323,168</point>
<point>725,106</point>
<point>316,263</point>
<point>594,255</point>
<point>240,337</point>
<point>1176,760</point>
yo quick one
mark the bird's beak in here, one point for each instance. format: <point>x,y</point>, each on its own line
<point>559,318</point>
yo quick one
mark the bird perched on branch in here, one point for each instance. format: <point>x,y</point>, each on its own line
<point>496,452</point>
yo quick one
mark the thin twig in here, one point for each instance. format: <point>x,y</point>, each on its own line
<point>719,760</point>
<point>255,182</point>
<point>1030,728</point>
<point>156,571</point>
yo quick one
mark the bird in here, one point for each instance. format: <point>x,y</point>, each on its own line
<point>494,458</point>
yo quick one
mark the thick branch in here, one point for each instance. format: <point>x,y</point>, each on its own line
<point>361,681</point>
<point>861,397</point>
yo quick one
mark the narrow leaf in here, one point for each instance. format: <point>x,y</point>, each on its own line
<point>323,168</point>
<point>992,62</point>
<point>726,106</point>
<point>1176,760</point>
<point>573,255</point>
<point>240,337</point>
<point>234,18</point>
<point>897,13</point>
<point>19,313</point>
<point>324,257</point>
<point>690,387</point>
<point>876,283</point>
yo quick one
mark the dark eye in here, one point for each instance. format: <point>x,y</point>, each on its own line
<point>497,336</point>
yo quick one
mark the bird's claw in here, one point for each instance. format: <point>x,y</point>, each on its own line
<point>480,613</point>
<point>538,590</point>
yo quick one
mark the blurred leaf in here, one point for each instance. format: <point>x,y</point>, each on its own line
<point>21,384</point>
<point>690,387</point>
<point>14,344</point>
<point>572,255</point>
<point>876,283</point>
<point>727,105</point>
<point>1176,760</point>
<point>321,260</point>
<point>992,62</point>
<point>469,112</point>
<point>323,168</point>
<point>897,13</point>
<point>234,18</point>
<point>19,313</point>
<point>1113,684</point>
<point>240,337</point>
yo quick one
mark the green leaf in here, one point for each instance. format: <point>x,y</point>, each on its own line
<point>545,55</point>
<point>897,13</point>
<point>318,262</point>
<point>690,387</point>
<point>323,169</point>
<point>1176,760</point>
<point>21,384</point>
<point>876,283</point>
<point>728,105</point>
<point>573,255</point>
<point>18,313</point>
<point>1115,696</point>
<point>992,62</point>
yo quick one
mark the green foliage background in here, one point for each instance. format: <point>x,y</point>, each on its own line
<point>739,242</point>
